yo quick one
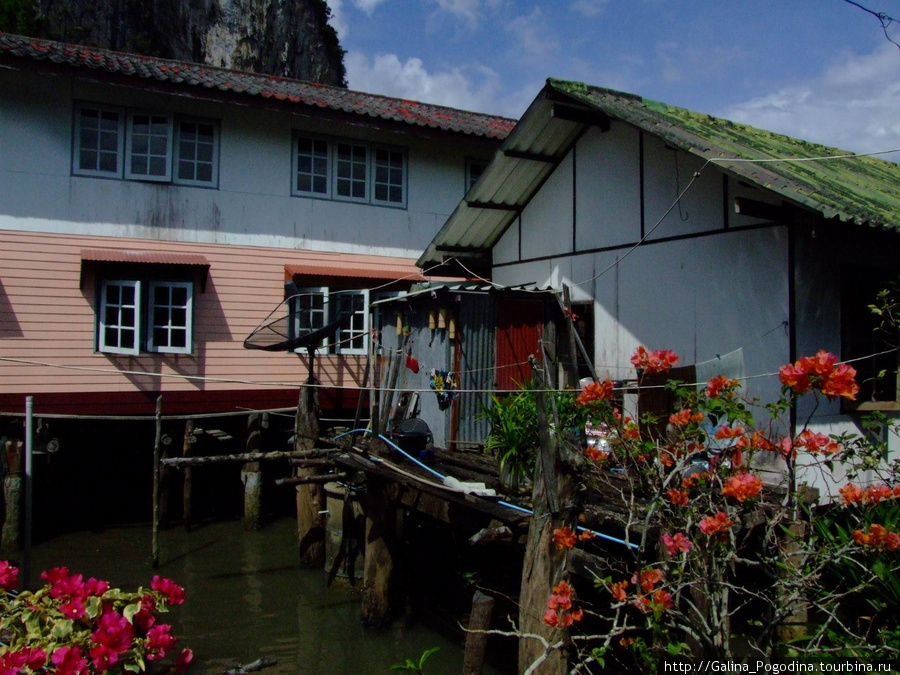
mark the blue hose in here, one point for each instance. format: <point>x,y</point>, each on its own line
<point>502,503</point>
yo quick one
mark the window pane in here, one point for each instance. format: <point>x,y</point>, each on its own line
<point>127,338</point>
<point>205,173</point>
<point>179,338</point>
<point>98,140</point>
<point>87,159</point>
<point>157,166</point>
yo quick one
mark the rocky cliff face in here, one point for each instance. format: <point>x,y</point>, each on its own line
<point>290,38</point>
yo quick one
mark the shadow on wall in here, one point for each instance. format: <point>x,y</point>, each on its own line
<point>9,323</point>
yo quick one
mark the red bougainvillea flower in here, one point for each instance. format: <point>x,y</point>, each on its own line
<point>113,637</point>
<point>184,660</point>
<point>69,661</point>
<point>676,544</point>
<point>595,391</point>
<point>743,486</point>
<point>596,455</point>
<point>564,537</point>
<point>13,661</point>
<point>159,640</point>
<point>647,579</point>
<point>878,537</point>
<point>677,497</point>
<point>716,525</point>
<point>720,386</point>
<point>146,616</point>
<point>618,590</point>
<point>685,417</point>
<point>9,576</point>
<point>173,592</point>
<point>816,443</point>
<point>823,372</point>
<point>657,361</point>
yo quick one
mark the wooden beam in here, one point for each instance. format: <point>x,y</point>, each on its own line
<point>531,156</point>
<point>493,206</point>
<point>580,115</point>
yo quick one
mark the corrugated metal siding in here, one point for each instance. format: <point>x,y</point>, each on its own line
<point>476,320</point>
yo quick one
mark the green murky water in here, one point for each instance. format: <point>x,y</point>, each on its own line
<point>248,598</point>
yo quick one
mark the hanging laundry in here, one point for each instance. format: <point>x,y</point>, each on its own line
<point>412,363</point>
<point>444,385</point>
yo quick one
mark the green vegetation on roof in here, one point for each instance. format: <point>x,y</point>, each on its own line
<point>859,189</point>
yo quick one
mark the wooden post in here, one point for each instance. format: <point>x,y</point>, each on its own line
<point>12,493</point>
<point>476,642</point>
<point>186,499</point>
<point>554,499</point>
<point>251,477</point>
<point>311,496</point>
<point>156,451</point>
<point>378,567</point>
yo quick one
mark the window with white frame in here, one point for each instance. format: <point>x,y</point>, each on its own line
<point>348,170</point>
<point>132,309</point>
<point>142,145</point>
<point>315,307</point>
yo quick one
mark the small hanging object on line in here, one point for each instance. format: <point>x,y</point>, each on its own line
<point>412,363</point>
<point>444,385</point>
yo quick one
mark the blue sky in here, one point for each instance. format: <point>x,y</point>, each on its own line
<point>821,70</point>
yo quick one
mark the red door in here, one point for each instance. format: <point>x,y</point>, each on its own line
<point>520,326</point>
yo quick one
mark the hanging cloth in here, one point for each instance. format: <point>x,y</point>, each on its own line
<point>444,385</point>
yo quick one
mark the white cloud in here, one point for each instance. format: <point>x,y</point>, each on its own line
<point>853,106</point>
<point>467,10</point>
<point>367,6</point>
<point>338,21</point>
<point>471,88</point>
<point>533,39</point>
<point>590,7</point>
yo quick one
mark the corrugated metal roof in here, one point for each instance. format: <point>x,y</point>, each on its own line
<point>310,94</point>
<point>143,257</point>
<point>407,272</point>
<point>863,190</point>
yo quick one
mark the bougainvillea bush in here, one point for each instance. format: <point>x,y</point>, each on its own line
<point>725,565</point>
<point>73,626</point>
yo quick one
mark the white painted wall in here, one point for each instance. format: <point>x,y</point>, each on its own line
<point>252,205</point>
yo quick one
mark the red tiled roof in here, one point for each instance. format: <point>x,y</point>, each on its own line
<point>299,92</point>
<point>146,257</point>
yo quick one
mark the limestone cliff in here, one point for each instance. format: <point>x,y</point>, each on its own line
<point>290,38</point>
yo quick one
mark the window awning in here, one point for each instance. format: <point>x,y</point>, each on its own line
<point>365,269</point>
<point>116,256</point>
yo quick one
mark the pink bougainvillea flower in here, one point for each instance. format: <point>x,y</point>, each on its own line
<point>72,609</point>
<point>14,660</point>
<point>173,592</point>
<point>595,391</point>
<point>564,537</point>
<point>9,576</point>
<point>159,641</point>
<point>677,543</point>
<point>717,525</point>
<point>184,660</point>
<point>113,637</point>
<point>146,617</point>
<point>743,486</point>
<point>551,618</point>
<point>69,661</point>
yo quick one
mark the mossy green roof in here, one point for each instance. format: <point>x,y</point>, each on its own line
<point>864,190</point>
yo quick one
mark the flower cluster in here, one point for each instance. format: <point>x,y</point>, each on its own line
<point>743,486</point>
<point>73,626</point>
<point>685,417</point>
<point>720,386</point>
<point>595,391</point>
<point>821,372</point>
<point>853,494</point>
<point>878,537</point>
<point>560,610</point>
<point>564,537</point>
<point>676,544</point>
<point>717,525</point>
<point>816,443</point>
<point>657,361</point>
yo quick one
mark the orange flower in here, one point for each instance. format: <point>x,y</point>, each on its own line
<point>851,494</point>
<point>684,417</point>
<point>564,537</point>
<point>726,431</point>
<point>657,361</point>
<point>694,479</point>
<point>816,443</point>
<point>677,497</point>
<point>560,611</point>
<point>596,455</point>
<point>841,382</point>
<point>661,601</point>
<point>794,377</point>
<point>878,537</point>
<point>595,391</point>
<point>823,372</point>
<point>626,641</point>
<point>586,535</point>
<point>716,525</point>
<point>618,590</point>
<point>677,544</point>
<point>875,493</point>
<point>743,486</point>
<point>719,385</point>
<point>631,431</point>
<point>647,580</point>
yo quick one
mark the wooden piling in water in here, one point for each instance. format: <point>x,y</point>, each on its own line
<point>476,638</point>
<point>187,449</point>
<point>156,468</point>
<point>310,496</point>
<point>12,493</point>
<point>251,477</point>
<point>378,568</point>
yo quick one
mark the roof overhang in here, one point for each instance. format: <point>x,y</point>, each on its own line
<point>538,143</point>
<point>127,257</point>
<point>371,270</point>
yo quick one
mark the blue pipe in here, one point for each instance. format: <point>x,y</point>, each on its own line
<point>502,503</point>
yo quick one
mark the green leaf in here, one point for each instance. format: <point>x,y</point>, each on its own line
<point>131,667</point>
<point>61,629</point>
<point>131,610</point>
<point>93,606</point>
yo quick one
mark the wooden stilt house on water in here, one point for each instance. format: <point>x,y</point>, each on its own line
<point>154,212</point>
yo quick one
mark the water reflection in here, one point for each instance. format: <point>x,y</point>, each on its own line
<point>247,598</point>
